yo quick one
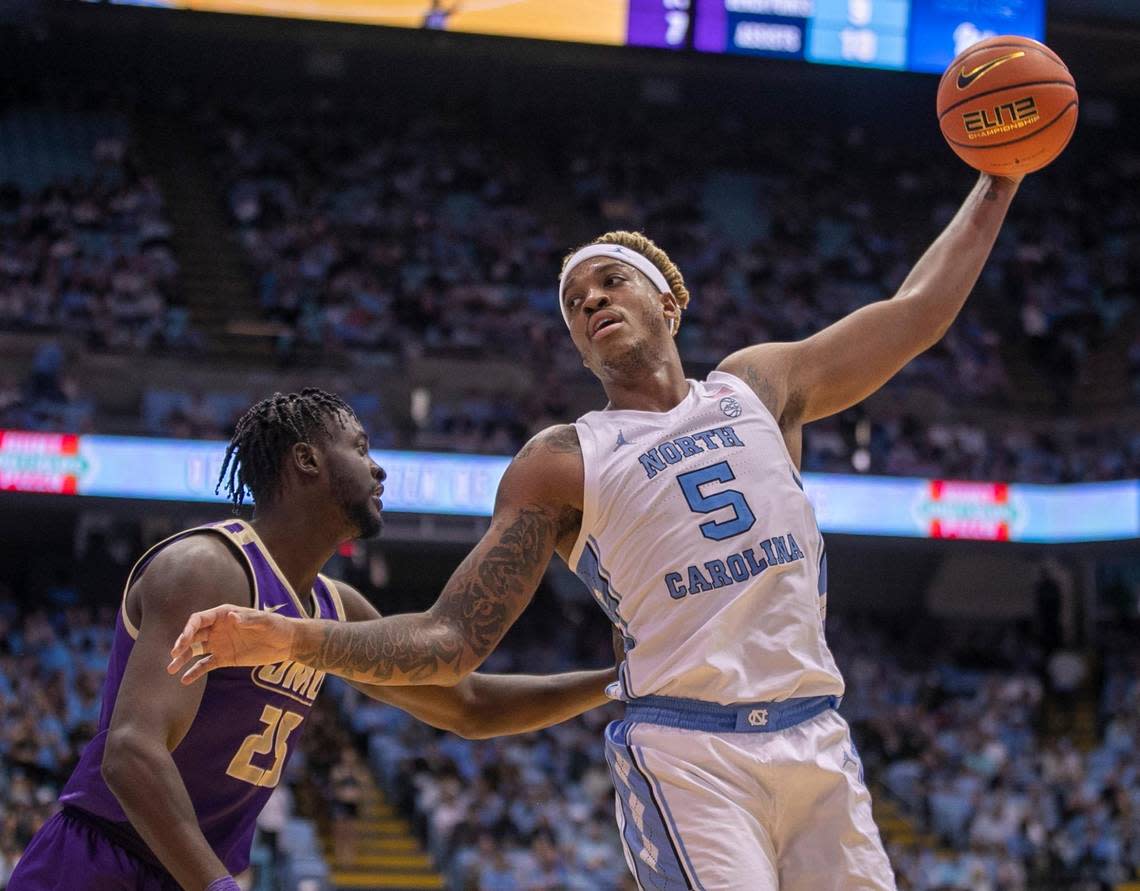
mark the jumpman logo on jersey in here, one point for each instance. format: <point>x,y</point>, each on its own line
<point>621,440</point>
<point>849,758</point>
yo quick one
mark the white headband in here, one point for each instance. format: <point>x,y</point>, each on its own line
<point>633,258</point>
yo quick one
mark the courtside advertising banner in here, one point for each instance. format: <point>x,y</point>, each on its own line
<point>464,485</point>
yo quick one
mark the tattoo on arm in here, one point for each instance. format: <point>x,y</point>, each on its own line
<point>563,440</point>
<point>376,653</point>
<point>478,600</point>
<point>560,440</point>
<point>785,414</point>
<point>762,387</point>
<point>487,592</point>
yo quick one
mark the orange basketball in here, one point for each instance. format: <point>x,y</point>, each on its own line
<point>1007,105</point>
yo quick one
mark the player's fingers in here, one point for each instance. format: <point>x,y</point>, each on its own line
<point>200,669</point>
<point>185,639</point>
<point>182,656</point>
<point>195,626</point>
<point>177,662</point>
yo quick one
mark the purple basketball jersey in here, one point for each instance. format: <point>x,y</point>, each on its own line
<point>247,724</point>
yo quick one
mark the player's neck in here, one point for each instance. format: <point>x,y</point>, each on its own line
<point>297,542</point>
<point>659,388</point>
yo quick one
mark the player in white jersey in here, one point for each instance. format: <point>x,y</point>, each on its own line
<point>680,505</point>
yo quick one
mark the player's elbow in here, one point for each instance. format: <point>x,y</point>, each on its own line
<point>478,723</point>
<point>926,314</point>
<point>124,761</point>
<point>467,726</point>
<point>467,718</point>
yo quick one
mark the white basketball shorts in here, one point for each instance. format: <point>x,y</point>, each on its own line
<point>782,810</point>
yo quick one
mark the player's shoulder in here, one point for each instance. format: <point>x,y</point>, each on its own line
<point>559,439</point>
<point>547,470</point>
<point>764,368</point>
<point>199,567</point>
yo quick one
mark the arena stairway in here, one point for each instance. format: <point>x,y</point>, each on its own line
<point>216,283</point>
<point>1080,721</point>
<point>388,855</point>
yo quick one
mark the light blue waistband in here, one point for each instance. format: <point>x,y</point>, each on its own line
<point>744,717</point>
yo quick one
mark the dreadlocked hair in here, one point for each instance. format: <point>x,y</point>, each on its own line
<point>636,241</point>
<point>266,432</point>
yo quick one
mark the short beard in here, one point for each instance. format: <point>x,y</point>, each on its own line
<point>642,356</point>
<point>367,523</point>
<point>633,361</point>
<point>358,512</point>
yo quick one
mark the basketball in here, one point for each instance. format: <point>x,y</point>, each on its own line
<point>1007,105</point>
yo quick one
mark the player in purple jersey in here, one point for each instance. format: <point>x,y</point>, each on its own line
<point>168,792</point>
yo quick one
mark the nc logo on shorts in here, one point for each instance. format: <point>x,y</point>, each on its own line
<point>758,717</point>
<point>730,407</point>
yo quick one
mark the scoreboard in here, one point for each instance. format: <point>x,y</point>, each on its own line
<point>910,35</point>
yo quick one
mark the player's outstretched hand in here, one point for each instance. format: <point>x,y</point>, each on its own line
<point>226,636</point>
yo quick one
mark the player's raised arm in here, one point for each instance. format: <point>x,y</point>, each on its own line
<point>537,509</point>
<point>851,359</point>
<point>153,713</point>
<point>486,705</point>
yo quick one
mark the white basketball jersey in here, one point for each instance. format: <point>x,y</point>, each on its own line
<point>699,543</point>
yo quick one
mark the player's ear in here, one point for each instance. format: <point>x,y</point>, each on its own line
<point>671,310</point>
<point>305,459</point>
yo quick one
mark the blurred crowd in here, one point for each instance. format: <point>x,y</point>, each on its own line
<point>52,664</point>
<point>963,742</point>
<point>383,235</point>
<point>85,252</point>
<point>91,255</point>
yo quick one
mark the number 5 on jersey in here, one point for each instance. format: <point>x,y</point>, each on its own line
<point>691,483</point>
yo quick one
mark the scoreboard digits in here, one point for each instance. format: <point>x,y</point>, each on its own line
<point>859,32</point>
<point>660,23</point>
<point>914,35</point>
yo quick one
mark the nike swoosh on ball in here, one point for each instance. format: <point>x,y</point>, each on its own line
<point>965,78</point>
